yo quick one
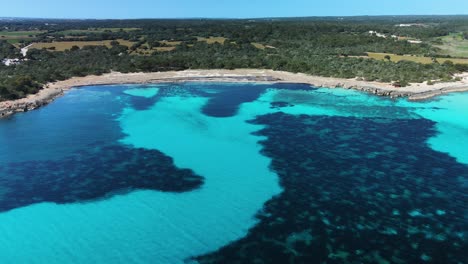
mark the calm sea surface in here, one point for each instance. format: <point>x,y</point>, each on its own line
<point>235,173</point>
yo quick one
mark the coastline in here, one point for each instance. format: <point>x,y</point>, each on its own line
<point>415,91</point>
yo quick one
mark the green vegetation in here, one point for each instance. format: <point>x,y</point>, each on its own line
<point>318,46</point>
<point>7,50</point>
<point>32,33</point>
<point>19,36</point>
<point>212,40</point>
<point>84,32</point>
<point>64,45</point>
<point>418,59</point>
<point>455,45</point>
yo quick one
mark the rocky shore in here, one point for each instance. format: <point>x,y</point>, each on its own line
<point>53,90</point>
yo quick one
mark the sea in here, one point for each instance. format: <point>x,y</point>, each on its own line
<point>235,173</point>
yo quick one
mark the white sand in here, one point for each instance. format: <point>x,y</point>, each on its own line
<point>416,91</point>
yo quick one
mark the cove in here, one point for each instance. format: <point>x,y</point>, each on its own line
<point>239,179</point>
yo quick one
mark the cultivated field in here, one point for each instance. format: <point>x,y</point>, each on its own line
<point>418,59</point>
<point>170,42</point>
<point>212,40</point>
<point>15,36</point>
<point>165,48</point>
<point>10,34</point>
<point>61,46</point>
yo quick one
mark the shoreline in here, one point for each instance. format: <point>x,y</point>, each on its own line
<point>415,91</point>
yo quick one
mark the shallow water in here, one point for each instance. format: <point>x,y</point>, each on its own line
<point>166,173</point>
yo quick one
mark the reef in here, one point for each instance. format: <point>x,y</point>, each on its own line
<point>96,173</point>
<point>356,190</point>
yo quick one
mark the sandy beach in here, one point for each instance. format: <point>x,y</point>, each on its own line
<point>416,91</point>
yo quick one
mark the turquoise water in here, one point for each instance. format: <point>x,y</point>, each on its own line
<point>167,173</point>
<point>450,112</point>
<point>147,92</point>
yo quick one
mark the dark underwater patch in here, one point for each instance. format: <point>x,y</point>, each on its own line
<point>224,99</point>
<point>356,191</point>
<point>226,102</point>
<point>97,173</point>
<point>142,103</point>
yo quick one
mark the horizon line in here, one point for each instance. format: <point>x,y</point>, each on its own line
<point>232,18</point>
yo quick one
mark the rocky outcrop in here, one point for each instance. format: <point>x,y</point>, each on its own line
<point>9,108</point>
<point>375,91</point>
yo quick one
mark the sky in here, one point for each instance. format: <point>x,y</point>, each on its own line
<point>121,9</point>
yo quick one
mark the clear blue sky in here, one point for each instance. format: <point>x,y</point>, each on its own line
<point>225,8</point>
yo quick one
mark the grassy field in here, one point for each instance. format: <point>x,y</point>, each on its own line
<point>212,40</point>
<point>164,48</point>
<point>454,45</point>
<point>14,37</point>
<point>170,43</point>
<point>15,42</point>
<point>61,46</point>
<point>261,46</point>
<point>418,59</point>
<point>151,51</point>
<point>20,33</point>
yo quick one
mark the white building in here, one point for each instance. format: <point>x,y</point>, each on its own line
<point>9,62</point>
<point>380,35</point>
<point>412,25</point>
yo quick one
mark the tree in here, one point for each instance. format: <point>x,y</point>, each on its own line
<point>307,46</point>
<point>114,43</point>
